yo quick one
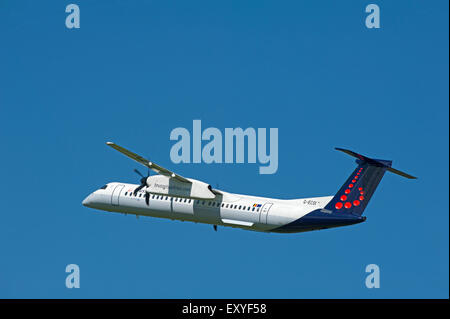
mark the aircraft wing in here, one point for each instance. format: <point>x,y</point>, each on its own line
<point>155,167</point>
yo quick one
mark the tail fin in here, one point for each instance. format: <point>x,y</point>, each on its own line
<point>356,192</point>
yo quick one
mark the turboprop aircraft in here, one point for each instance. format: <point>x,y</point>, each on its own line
<point>169,195</point>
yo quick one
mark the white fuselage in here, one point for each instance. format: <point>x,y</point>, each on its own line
<point>226,209</point>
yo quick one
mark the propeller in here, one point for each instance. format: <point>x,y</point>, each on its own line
<point>143,184</point>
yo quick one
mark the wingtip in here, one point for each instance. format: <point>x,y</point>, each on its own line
<point>109,143</point>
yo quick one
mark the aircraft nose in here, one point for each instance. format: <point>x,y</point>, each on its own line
<point>87,201</point>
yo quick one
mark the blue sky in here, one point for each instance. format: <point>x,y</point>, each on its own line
<point>135,70</point>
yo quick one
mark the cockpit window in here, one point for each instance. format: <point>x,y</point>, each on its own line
<point>104,187</point>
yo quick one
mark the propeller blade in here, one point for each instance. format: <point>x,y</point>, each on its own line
<point>139,173</point>
<point>138,189</point>
<point>147,198</point>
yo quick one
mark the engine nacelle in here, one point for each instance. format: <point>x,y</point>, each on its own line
<point>163,185</point>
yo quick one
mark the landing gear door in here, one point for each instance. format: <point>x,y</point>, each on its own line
<point>115,194</point>
<point>264,212</point>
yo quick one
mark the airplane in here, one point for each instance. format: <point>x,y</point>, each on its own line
<point>172,196</point>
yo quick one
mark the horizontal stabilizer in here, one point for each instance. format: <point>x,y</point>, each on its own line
<point>375,162</point>
<point>396,171</point>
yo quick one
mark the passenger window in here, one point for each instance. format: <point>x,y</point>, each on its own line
<point>126,193</point>
<point>253,209</point>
